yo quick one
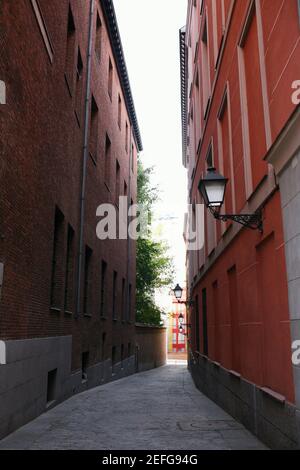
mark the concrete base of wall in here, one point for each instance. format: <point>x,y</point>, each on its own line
<point>273,421</point>
<point>24,390</point>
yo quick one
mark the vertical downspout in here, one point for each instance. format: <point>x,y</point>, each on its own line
<point>128,238</point>
<point>85,159</point>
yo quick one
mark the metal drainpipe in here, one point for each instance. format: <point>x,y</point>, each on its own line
<point>85,158</point>
<point>128,238</point>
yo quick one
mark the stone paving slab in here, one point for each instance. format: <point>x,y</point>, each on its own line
<point>156,410</point>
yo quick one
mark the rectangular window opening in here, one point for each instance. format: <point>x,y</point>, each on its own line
<point>113,358</point>
<point>123,299</point>
<point>122,356</point>
<point>84,365</point>
<point>103,346</point>
<point>205,70</point>
<point>51,385</point>
<point>94,130</point>
<point>114,299</point>
<point>87,291</point>
<point>98,38</point>
<point>118,180</point>
<point>126,137</point>
<point>103,289</point>
<point>119,111</point>
<point>107,160</point>
<point>70,53</point>
<point>69,274</point>
<point>129,302</point>
<point>57,276</point>
<point>110,78</point>
<point>79,85</point>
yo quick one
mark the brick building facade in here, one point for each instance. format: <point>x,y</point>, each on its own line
<point>69,142</point>
<point>239,60</point>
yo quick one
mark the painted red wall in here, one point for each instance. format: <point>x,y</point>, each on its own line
<point>247,298</point>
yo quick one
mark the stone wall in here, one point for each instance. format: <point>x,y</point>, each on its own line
<point>37,375</point>
<point>265,413</point>
<point>289,181</point>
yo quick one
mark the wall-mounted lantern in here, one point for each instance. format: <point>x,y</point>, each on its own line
<point>212,188</point>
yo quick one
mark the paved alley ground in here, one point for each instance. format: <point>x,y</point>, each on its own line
<point>156,410</point>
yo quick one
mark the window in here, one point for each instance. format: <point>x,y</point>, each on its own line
<point>94,130</point>
<point>218,26</point>
<point>87,288</point>
<point>113,358</point>
<point>129,302</point>
<point>117,194</point>
<point>43,28</point>
<point>103,346</point>
<point>98,38</point>
<point>209,158</point>
<point>225,152</point>
<point>181,338</point>
<point>122,356</point>
<point>123,299</point>
<point>125,188</point>
<point>110,78</point>
<point>69,274</point>
<point>70,54</point>
<point>103,289</point>
<point>201,7</point>
<point>252,104</point>
<point>84,365</point>
<point>57,276</point>
<point>107,160</point>
<point>119,111</point>
<point>79,84</point>
<point>299,8</point>
<point>205,70</point>
<point>51,385</point>
<point>126,137</point>
<point>114,299</point>
<point>197,124</point>
<point>129,349</point>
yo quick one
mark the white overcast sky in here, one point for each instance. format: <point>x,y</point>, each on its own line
<point>150,37</point>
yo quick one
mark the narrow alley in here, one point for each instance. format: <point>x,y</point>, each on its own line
<point>149,228</point>
<point>160,409</point>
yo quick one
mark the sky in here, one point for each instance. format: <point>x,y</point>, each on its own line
<point>150,36</point>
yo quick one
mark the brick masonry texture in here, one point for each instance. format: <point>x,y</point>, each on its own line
<point>41,150</point>
<point>41,165</point>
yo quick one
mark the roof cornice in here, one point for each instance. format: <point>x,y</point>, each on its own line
<point>116,43</point>
<point>183,76</point>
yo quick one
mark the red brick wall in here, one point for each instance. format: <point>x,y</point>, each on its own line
<point>41,146</point>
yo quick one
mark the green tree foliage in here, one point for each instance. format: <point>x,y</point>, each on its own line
<point>154,265</point>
